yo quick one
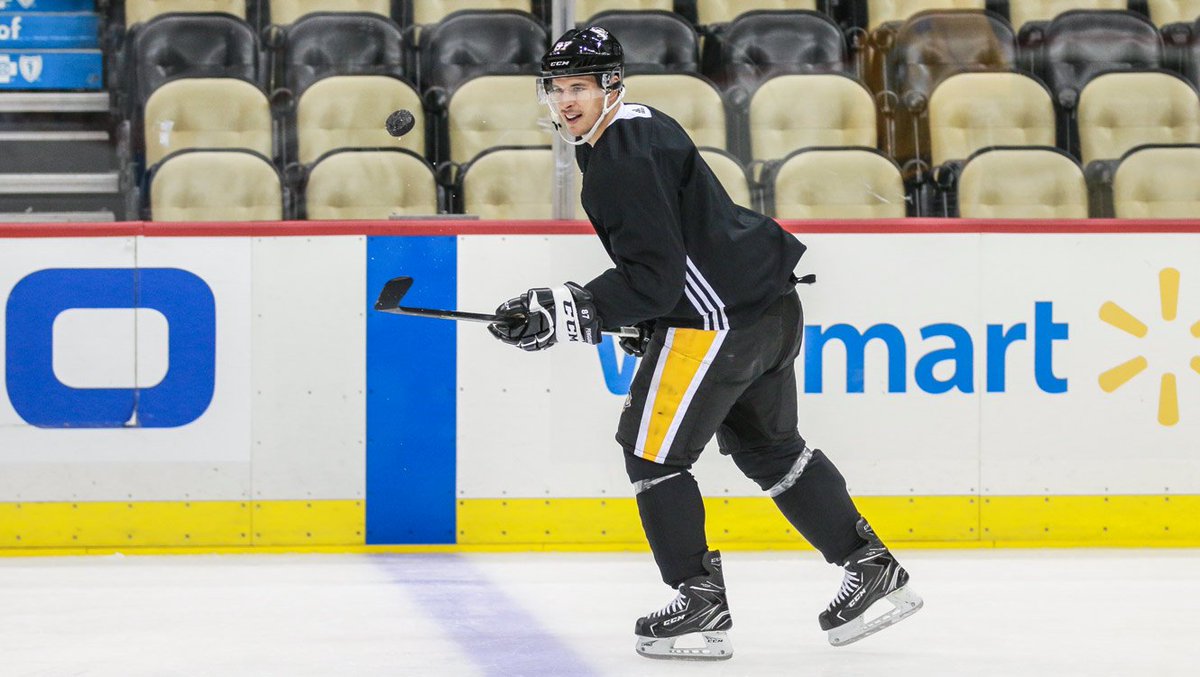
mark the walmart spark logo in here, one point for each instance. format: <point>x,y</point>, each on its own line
<point>1116,316</point>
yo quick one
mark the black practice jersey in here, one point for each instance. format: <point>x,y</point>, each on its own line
<point>685,254</point>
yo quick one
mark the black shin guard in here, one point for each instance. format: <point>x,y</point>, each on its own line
<point>672,513</point>
<point>816,502</point>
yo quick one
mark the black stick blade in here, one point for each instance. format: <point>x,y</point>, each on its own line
<point>393,292</point>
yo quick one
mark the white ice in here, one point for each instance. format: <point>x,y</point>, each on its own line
<point>1015,613</point>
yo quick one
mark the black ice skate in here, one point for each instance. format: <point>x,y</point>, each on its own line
<point>872,574</point>
<point>699,608</point>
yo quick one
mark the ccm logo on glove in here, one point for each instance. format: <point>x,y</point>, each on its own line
<point>542,317</point>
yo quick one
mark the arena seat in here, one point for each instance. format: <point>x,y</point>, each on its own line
<point>1021,183</point>
<point>1189,54</point>
<point>494,110</point>
<point>215,185</point>
<point>509,182</point>
<point>653,41</point>
<point>1023,14</point>
<point>469,44</point>
<point>1077,45</point>
<point>370,183</point>
<point>760,45</point>
<point>325,44</point>
<point>731,174</point>
<point>1166,12</point>
<point>206,113</point>
<point>970,111</point>
<point>838,111</point>
<point>287,12</point>
<point>586,9</point>
<point>1158,182</point>
<point>141,11</point>
<point>1120,110</point>
<point>925,50</point>
<point>1080,44</point>
<point>692,100</point>
<point>709,12</point>
<point>426,12</point>
<point>349,111</point>
<point>835,183</point>
<point>880,12</point>
<point>191,45</point>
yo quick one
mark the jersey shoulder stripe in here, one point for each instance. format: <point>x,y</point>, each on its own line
<point>629,111</point>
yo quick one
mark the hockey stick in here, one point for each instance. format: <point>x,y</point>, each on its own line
<point>395,289</point>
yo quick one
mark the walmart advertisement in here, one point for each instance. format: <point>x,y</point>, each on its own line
<point>231,387</point>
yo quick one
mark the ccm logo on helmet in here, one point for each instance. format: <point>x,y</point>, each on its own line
<point>555,64</point>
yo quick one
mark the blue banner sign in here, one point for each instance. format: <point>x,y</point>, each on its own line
<point>54,70</point>
<point>47,5</point>
<point>49,31</point>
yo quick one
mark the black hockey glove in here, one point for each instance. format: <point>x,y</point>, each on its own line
<point>637,346</point>
<point>543,317</point>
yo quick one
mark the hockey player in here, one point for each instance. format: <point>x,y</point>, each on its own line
<point>710,284</point>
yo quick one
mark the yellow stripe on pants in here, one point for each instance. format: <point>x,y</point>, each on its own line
<point>686,354</point>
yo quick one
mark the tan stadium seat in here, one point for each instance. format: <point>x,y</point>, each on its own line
<point>370,184</point>
<point>724,11</point>
<point>694,103</point>
<point>1158,183</point>
<point>513,183</point>
<point>286,12</point>
<point>220,185</point>
<point>350,112</point>
<point>841,183</point>
<point>1021,12</point>
<point>926,49</point>
<point>495,110</point>
<point>972,110</point>
<point>141,11</point>
<point>432,11</point>
<point>206,113</point>
<point>1022,183</point>
<point>888,11</point>
<point>1118,111</point>
<point>585,9</point>
<point>836,111</point>
<point>1163,12</point>
<point>730,173</point>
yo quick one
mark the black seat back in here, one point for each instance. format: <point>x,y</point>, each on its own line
<point>193,45</point>
<point>340,43</point>
<point>468,44</point>
<point>760,45</point>
<point>654,41</point>
<point>1081,44</point>
<point>932,46</point>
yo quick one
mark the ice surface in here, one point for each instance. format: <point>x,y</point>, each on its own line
<point>1016,613</point>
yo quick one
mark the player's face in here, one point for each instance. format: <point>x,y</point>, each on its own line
<point>578,100</point>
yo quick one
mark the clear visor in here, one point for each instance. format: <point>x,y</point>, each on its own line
<point>564,88</point>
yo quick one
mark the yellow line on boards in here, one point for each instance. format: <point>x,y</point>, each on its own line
<point>588,525</point>
<point>203,524</point>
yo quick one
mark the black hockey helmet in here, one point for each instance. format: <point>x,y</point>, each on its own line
<point>586,51</point>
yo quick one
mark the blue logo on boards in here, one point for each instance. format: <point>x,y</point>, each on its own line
<point>960,356</point>
<point>618,367</point>
<point>41,399</point>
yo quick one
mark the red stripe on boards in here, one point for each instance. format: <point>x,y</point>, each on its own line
<point>451,228</point>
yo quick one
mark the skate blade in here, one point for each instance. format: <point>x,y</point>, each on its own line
<point>905,603</point>
<point>717,647</point>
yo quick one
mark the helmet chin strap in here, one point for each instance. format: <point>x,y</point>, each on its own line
<point>608,108</point>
